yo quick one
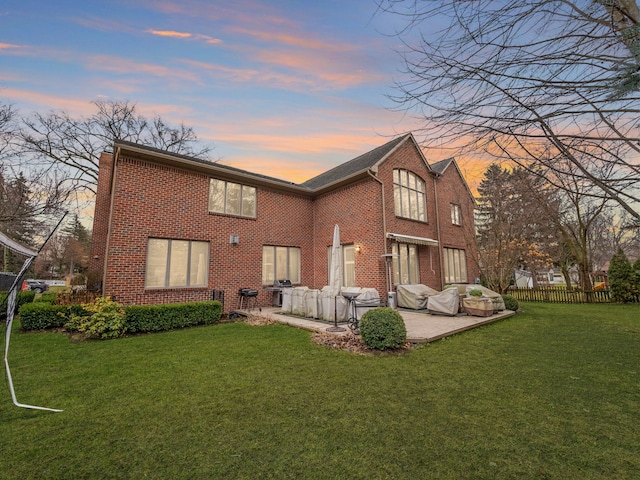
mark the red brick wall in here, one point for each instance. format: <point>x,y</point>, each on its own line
<point>157,201</point>
<point>100,222</point>
<point>451,189</point>
<point>151,200</point>
<point>356,209</point>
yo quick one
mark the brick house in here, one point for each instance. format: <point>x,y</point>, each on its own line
<point>171,228</point>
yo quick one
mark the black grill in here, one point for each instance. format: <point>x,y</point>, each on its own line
<point>248,292</point>
<point>282,284</point>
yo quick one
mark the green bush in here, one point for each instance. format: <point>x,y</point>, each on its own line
<point>49,297</point>
<point>22,298</point>
<point>154,318</point>
<point>383,328</point>
<point>103,318</point>
<point>41,315</point>
<point>510,302</point>
<point>621,278</point>
<point>474,292</point>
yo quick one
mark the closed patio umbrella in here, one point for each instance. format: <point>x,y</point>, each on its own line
<point>335,278</point>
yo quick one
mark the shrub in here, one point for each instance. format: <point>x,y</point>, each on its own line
<point>621,278</point>
<point>510,302</point>
<point>103,318</point>
<point>22,298</point>
<point>41,315</point>
<point>49,297</point>
<point>154,318</point>
<point>475,292</point>
<point>383,328</point>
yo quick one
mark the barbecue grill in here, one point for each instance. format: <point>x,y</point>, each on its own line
<point>276,290</point>
<point>248,297</point>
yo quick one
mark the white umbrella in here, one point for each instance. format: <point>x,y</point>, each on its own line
<point>335,278</point>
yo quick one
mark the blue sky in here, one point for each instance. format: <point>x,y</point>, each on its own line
<point>284,88</point>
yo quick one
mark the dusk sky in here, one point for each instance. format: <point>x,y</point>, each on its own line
<point>283,88</point>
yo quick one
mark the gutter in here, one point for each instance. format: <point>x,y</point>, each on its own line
<point>440,250</point>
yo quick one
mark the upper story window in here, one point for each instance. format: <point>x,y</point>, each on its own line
<point>456,214</point>
<point>409,195</point>
<point>232,198</point>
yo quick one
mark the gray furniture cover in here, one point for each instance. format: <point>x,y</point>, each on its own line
<point>414,296</point>
<point>446,302</point>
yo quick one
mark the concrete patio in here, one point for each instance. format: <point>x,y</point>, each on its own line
<point>421,326</point>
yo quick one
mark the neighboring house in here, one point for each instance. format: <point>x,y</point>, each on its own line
<point>171,228</point>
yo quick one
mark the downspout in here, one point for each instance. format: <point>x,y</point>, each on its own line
<point>112,184</point>
<point>440,251</point>
<point>384,212</point>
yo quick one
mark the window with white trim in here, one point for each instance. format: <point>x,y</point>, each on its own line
<point>455,265</point>
<point>456,214</point>
<point>347,264</point>
<point>280,263</point>
<point>176,263</point>
<point>406,269</point>
<point>409,195</point>
<point>232,198</point>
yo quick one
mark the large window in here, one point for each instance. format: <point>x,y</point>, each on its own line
<point>232,198</point>
<point>405,264</point>
<point>176,263</point>
<point>456,214</point>
<point>409,195</point>
<point>347,265</point>
<point>455,266</point>
<point>280,263</point>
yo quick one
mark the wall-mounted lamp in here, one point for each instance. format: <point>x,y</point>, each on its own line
<point>358,248</point>
<point>234,239</point>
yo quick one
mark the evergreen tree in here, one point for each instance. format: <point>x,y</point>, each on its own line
<point>621,278</point>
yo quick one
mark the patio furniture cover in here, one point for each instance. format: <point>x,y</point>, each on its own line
<point>298,306</point>
<point>446,302</point>
<point>414,296</point>
<point>327,306</point>
<point>286,299</point>
<point>496,298</point>
<point>369,298</point>
<point>311,299</point>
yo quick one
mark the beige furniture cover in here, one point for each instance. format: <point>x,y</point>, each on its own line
<point>414,296</point>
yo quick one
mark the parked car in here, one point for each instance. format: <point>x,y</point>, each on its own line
<point>37,286</point>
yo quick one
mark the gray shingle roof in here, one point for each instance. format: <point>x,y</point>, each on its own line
<point>441,166</point>
<point>358,164</point>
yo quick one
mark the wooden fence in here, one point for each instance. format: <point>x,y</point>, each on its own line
<point>558,295</point>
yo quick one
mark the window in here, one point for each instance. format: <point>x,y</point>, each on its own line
<point>456,214</point>
<point>409,195</point>
<point>455,266</point>
<point>405,264</point>
<point>176,263</point>
<point>347,264</point>
<point>232,198</point>
<point>280,263</point>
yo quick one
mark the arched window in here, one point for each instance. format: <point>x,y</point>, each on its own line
<point>409,195</point>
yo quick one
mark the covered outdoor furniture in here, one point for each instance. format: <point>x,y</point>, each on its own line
<point>446,302</point>
<point>496,298</point>
<point>298,305</point>
<point>478,306</point>
<point>414,296</point>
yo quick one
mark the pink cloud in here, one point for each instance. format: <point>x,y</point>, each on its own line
<point>185,36</point>
<point>119,65</point>
<point>43,102</point>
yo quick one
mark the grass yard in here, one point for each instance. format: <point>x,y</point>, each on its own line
<point>552,393</point>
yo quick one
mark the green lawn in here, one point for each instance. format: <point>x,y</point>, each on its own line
<point>553,392</point>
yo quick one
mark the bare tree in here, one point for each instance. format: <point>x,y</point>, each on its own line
<point>71,147</point>
<point>551,82</point>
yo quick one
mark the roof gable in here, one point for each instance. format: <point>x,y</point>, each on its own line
<point>365,161</point>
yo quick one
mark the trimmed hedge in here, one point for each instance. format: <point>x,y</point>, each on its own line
<point>49,297</point>
<point>155,318</point>
<point>138,318</point>
<point>383,328</point>
<point>41,315</point>
<point>510,302</point>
